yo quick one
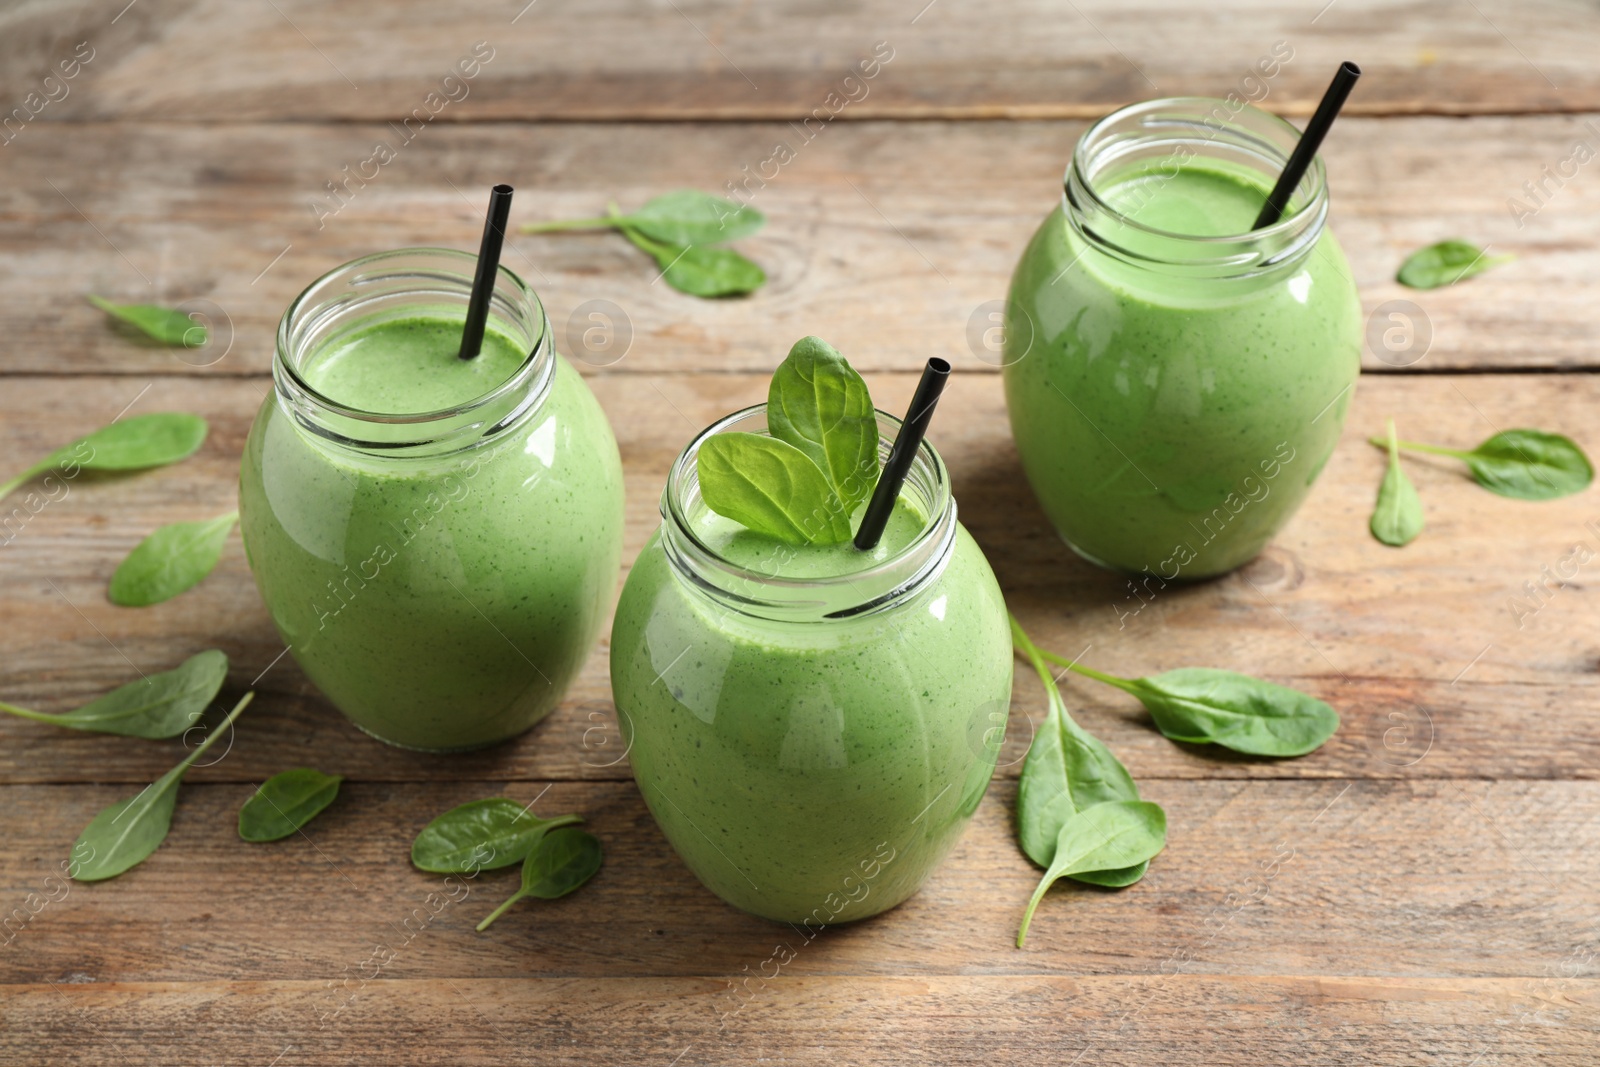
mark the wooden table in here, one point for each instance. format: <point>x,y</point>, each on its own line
<point>1421,890</point>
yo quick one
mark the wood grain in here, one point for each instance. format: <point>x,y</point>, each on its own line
<point>1384,879</point>
<point>889,239</point>
<point>1099,1022</point>
<point>208,60</point>
<point>1424,650</point>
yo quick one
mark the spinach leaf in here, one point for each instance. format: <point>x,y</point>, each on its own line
<point>174,558</point>
<point>771,487</point>
<point>682,217</point>
<point>482,835</point>
<point>126,833</point>
<point>129,444</point>
<point>817,402</point>
<point>1397,515</point>
<point>1530,465</point>
<point>562,861</point>
<point>690,217</point>
<point>161,705</point>
<point>286,802</point>
<point>1067,770</point>
<point>1523,464</point>
<point>173,328</point>
<point>1117,834</point>
<point>1445,263</point>
<point>1197,705</point>
<point>699,270</point>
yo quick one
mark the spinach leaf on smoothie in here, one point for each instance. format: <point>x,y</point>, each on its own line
<point>174,558</point>
<point>1397,516</point>
<point>154,707</point>
<point>1523,464</point>
<point>802,484</point>
<point>1446,263</point>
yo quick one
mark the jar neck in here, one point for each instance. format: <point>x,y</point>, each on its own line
<point>390,286</point>
<point>1157,140</point>
<point>768,592</point>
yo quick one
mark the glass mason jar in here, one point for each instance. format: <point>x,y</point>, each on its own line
<point>812,746</point>
<point>1174,394</point>
<point>441,575</point>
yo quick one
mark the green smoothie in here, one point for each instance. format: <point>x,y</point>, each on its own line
<point>811,770</point>
<point>444,600</point>
<point>1171,417</point>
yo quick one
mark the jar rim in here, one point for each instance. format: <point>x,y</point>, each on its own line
<point>1246,137</point>
<point>513,302</point>
<point>771,595</point>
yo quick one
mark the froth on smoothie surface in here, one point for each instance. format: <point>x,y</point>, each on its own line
<point>409,366</point>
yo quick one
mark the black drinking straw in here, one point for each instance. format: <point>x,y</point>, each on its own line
<point>1305,151</point>
<point>494,233</point>
<point>912,430</point>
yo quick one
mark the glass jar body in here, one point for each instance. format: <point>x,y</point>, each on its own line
<point>442,599</point>
<point>812,770</point>
<point>1171,416</point>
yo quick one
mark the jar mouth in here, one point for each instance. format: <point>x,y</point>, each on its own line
<point>768,593</point>
<point>390,285</point>
<point>1172,131</point>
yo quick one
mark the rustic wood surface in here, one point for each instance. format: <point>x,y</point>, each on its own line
<point>1419,891</point>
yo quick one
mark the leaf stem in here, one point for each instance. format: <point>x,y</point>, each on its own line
<point>1416,446</point>
<point>211,738</point>
<point>501,910</point>
<point>605,222</point>
<point>6,488</point>
<point>26,713</point>
<point>1127,685</point>
<point>1033,904</point>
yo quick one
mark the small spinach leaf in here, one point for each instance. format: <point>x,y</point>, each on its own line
<point>158,706</point>
<point>286,802</point>
<point>128,444</point>
<point>481,835</point>
<point>1397,515</point>
<point>818,403</point>
<point>1446,263</point>
<point>170,327</point>
<point>1117,834</point>
<point>771,487</point>
<point>561,862</point>
<point>169,561</point>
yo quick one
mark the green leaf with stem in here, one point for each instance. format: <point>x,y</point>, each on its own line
<point>699,270</point>
<point>173,328</point>
<point>1446,263</point>
<point>125,834</point>
<point>561,862</point>
<point>1115,834</point>
<point>1067,770</point>
<point>482,835</point>
<point>174,558</point>
<point>682,217</point>
<point>1199,705</point>
<point>1397,515</point>
<point>1522,464</point>
<point>128,444</point>
<point>286,802</point>
<point>161,705</point>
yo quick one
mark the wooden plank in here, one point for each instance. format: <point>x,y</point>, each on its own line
<point>1423,650</point>
<point>1103,1022</point>
<point>1390,879</point>
<point>180,60</point>
<point>1436,669</point>
<point>888,238</point>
